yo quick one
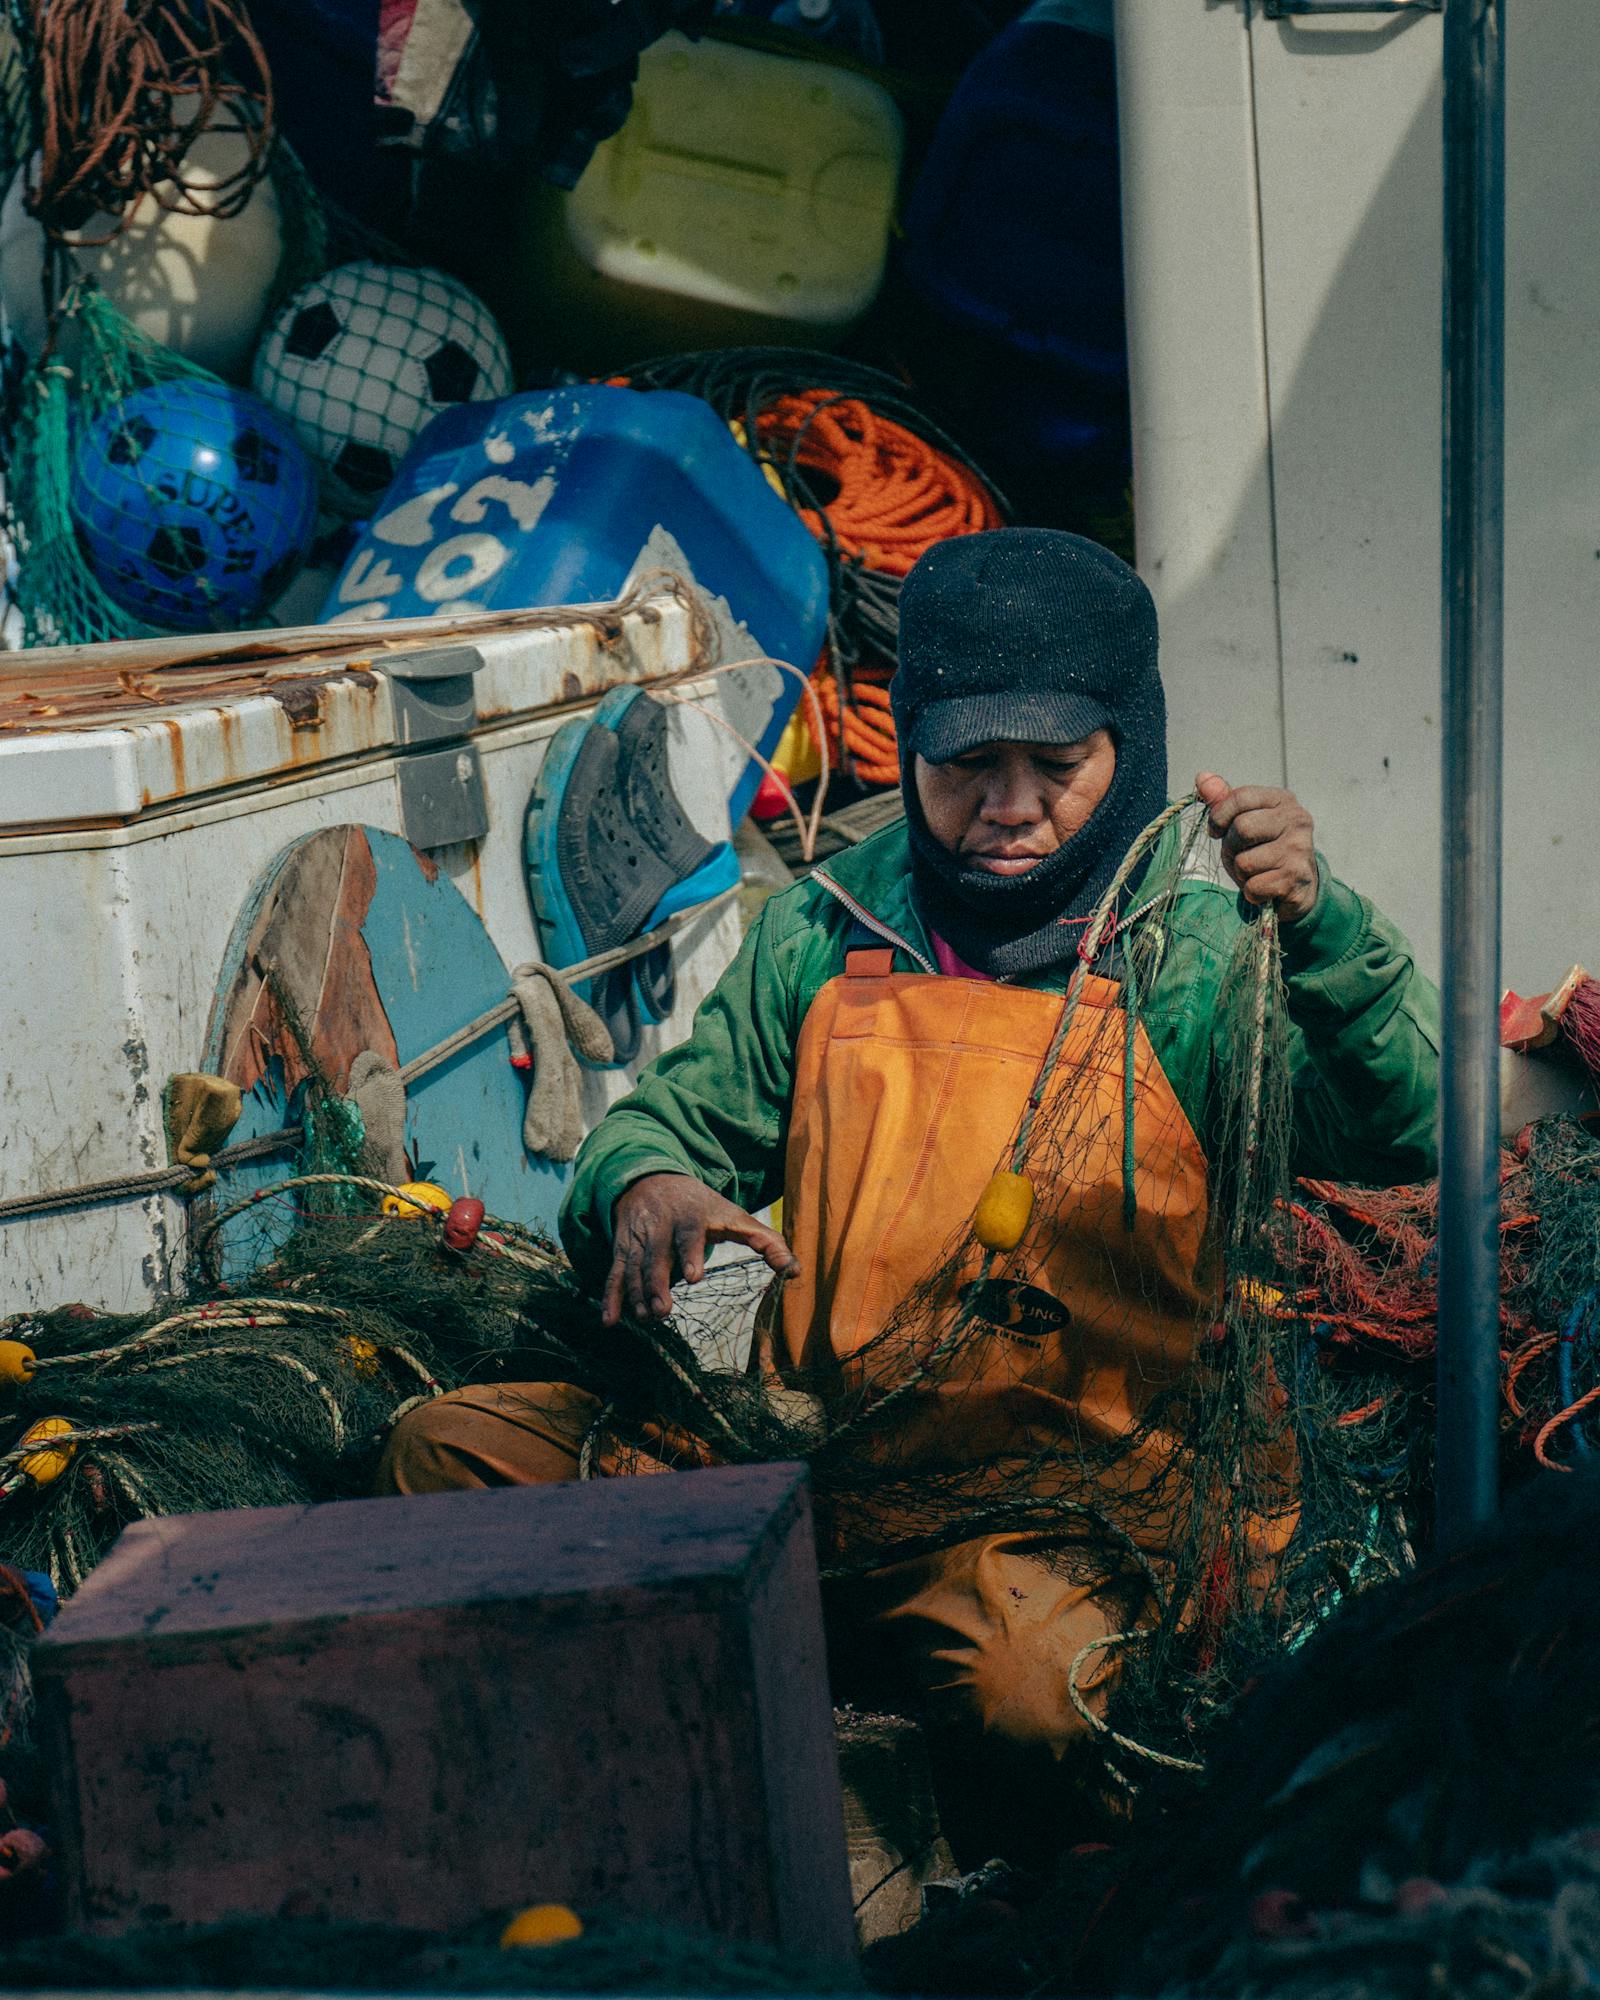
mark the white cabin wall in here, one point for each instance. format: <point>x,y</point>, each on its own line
<point>1349,150</point>
<point>1316,518</point>
<point>1552,873</point>
<point>1201,464</point>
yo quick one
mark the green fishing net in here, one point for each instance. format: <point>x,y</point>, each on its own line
<point>60,598</point>
<point>1275,1463</point>
<point>1234,1512</point>
<point>612,1956</point>
<point>93,359</point>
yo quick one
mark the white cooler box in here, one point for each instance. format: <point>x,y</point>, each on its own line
<point>170,844</point>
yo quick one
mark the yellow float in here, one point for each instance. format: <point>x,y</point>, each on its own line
<point>542,1924</point>
<point>1004,1211</point>
<point>413,1197</point>
<point>17,1362</point>
<point>45,1466</point>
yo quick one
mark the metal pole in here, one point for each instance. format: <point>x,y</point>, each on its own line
<point>1474,544</point>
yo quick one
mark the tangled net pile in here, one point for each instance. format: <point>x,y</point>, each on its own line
<point>281,1387</point>
<point>1367,1287</point>
<point>1277,1466</point>
<point>876,482</point>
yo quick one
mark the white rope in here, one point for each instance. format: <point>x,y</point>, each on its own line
<point>1104,1729</point>
<point>161,1180</point>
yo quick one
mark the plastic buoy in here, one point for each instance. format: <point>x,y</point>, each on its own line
<point>363,1353</point>
<point>17,1361</point>
<point>413,1197</point>
<point>44,1467</point>
<point>1004,1212</point>
<point>541,1924</point>
<point>462,1224</point>
<point>188,277</point>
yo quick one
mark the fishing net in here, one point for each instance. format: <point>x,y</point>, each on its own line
<point>61,600</point>
<point>110,115</point>
<point>1368,1288</point>
<point>876,481</point>
<point>1229,1513</point>
<point>67,507</point>
<point>612,1956</point>
<point>84,433</point>
<point>1513,1927</point>
<point>1406,1806</point>
<point>1271,1462</point>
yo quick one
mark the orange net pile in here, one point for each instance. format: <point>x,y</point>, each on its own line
<point>1368,1277</point>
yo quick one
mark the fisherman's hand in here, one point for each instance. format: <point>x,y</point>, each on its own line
<point>1267,843</point>
<point>661,1229</point>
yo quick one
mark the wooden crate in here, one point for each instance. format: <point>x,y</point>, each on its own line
<point>418,1711</point>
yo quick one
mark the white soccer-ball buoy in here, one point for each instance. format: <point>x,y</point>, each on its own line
<point>362,359</point>
<point>198,284</point>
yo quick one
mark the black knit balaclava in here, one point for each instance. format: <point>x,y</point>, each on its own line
<point>1027,635</point>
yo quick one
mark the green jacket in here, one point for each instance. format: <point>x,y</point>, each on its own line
<point>1364,1038</point>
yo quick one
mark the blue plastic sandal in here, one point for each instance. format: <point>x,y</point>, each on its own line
<point>611,853</point>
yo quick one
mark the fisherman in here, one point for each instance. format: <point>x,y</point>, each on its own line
<point>868,1057</point>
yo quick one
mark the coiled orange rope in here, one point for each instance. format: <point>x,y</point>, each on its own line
<point>896,496</point>
<point>876,481</point>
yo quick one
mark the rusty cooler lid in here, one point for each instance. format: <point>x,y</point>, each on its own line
<point>101,735</point>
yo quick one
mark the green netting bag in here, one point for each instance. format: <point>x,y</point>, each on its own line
<point>94,357</point>
<point>61,600</point>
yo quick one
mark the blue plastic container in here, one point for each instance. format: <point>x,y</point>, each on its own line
<point>549,499</point>
<point>1013,232</point>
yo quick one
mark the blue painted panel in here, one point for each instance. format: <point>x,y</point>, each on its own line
<point>435,969</point>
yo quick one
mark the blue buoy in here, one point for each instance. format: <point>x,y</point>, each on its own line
<point>194,504</point>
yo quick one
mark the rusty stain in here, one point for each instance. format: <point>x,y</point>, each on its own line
<point>99,682</point>
<point>228,727</point>
<point>426,862</point>
<point>300,700</point>
<point>59,690</point>
<point>174,729</point>
<point>84,697</point>
<point>477,876</point>
<point>105,823</point>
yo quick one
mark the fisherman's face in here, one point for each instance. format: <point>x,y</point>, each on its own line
<point>1005,807</point>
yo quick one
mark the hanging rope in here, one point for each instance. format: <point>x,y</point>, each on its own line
<point>125,88</point>
<point>875,481</point>
<point>897,495</point>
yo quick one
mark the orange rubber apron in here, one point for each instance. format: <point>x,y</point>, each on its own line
<point>908,1093</point>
